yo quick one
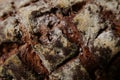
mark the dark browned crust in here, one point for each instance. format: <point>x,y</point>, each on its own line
<point>40,30</point>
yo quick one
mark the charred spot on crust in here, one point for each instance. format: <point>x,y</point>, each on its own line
<point>29,3</point>
<point>82,75</point>
<point>7,49</point>
<point>73,9</point>
<point>103,55</point>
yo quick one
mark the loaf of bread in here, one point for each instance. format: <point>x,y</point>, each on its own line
<point>59,39</point>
